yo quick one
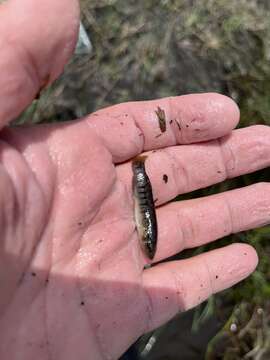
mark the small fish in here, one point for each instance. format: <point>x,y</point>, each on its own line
<point>145,213</point>
<point>161,119</point>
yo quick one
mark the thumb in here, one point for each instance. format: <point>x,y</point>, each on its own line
<point>36,40</point>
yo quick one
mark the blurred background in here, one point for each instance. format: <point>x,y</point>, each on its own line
<point>146,49</point>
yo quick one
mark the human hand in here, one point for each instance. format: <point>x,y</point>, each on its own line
<point>72,277</point>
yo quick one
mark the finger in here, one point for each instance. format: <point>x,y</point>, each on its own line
<point>35,46</point>
<point>181,169</point>
<point>130,128</point>
<point>180,285</point>
<point>191,223</point>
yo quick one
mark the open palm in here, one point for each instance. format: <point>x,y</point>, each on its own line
<point>73,282</point>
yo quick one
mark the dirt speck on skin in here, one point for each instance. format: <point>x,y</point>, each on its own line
<point>21,279</point>
<point>177,123</point>
<point>165,178</point>
<point>161,119</point>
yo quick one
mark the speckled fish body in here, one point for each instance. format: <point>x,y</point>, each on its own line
<point>145,214</point>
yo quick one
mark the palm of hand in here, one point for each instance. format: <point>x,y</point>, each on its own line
<point>72,260</point>
<point>80,281</point>
<point>87,246</point>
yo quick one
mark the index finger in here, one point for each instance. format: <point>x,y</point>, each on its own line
<point>35,46</point>
<point>130,128</point>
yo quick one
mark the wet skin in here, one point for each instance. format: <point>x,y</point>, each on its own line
<point>73,282</point>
